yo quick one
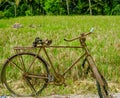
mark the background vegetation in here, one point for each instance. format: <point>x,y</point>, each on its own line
<point>13,8</point>
<point>104,45</point>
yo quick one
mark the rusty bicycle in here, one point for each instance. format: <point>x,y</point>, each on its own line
<point>27,73</point>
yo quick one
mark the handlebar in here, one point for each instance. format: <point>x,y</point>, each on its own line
<point>83,35</point>
<point>48,42</point>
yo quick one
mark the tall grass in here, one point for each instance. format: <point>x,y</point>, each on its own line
<point>104,44</point>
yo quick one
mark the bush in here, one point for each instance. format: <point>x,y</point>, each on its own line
<point>8,14</point>
<point>1,14</point>
<point>53,7</point>
<point>116,10</point>
<point>28,13</point>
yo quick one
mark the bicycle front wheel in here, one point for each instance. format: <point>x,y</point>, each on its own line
<point>101,83</point>
<point>15,70</point>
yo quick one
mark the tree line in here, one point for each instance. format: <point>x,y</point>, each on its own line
<point>14,8</point>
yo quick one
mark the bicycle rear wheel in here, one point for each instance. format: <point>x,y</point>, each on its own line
<point>14,72</point>
<point>101,83</point>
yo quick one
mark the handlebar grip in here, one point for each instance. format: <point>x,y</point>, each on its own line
<point>92,29</point>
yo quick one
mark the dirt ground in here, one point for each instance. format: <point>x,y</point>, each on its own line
<point>117,95</point>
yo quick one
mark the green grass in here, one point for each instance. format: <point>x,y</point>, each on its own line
<point>104,44</point>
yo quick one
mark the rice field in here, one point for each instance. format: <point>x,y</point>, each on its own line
<point>104,45</point>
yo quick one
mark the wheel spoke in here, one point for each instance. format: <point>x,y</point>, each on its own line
<point>31,63</point>
<point>13,63</point>
<point>20,58</point>
<point>30,85</point>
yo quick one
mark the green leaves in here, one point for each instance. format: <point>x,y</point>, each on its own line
<point>116,10</point>
<point>59,7</point>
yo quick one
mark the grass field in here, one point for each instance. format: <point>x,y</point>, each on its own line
<point>104,44</point>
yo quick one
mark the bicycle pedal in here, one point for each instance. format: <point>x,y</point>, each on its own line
<point>50,78</point>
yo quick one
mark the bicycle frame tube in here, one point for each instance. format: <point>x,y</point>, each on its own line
<point>49,60</point>
<point>29,48</point>
<point>73,64</point>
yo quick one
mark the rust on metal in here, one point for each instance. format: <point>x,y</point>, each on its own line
<point>29,47</point>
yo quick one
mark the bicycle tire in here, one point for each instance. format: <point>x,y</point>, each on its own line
<point>102,93</point>
<point>101,88</point>
<point>19,64</point>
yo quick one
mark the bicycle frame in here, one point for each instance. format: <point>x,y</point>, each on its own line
<point>50,61</point>
<point>44,47</point>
